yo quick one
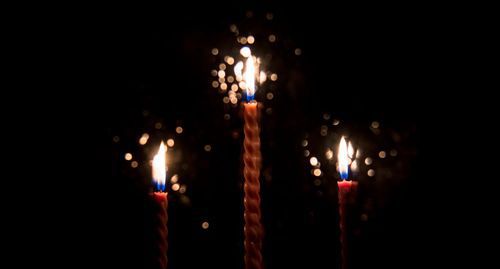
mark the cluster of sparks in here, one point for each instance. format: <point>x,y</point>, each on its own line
<point>240,75</point>
<point>354,159</point>
<point>158,163</point>
<point>350,162</point>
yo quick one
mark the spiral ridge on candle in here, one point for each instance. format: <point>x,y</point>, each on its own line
<point>252,159</point>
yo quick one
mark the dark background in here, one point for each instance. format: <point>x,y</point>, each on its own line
<point>359,64</point>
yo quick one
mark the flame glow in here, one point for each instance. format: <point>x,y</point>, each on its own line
<point>343,159</point>
<point>263,77</point>
<point>350,150</point>
<point>238,71</point>
<point>160,167</point>
<point>249,77</point>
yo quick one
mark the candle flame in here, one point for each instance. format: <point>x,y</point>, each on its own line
<point>350,150</point>
<point>343,159</point>
<point>238,71</point>
<point>263,77</point>
<point>249,77</point>
<point>160,167</point>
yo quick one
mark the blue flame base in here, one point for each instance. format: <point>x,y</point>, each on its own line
<point>250,98</point>
<point>160,187</point>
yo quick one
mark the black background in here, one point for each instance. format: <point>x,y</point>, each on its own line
<point>357,64</point>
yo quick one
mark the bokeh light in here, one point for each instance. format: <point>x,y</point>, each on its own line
<point>329,154</point>
<point>144,139</point>
<point>221,74</point>
<point>170,142</point>
<point>176,187</point>
<point>313,161</point>
<point>182,189</point>
<point>245,52</point>
<point>250,39</point>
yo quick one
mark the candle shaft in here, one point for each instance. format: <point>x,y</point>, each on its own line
<point>252,159</point>
<point>346,190</point>
<point>161,200</point>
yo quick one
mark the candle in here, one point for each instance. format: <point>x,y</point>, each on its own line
<point>161,198</point>
<point>253,230</point>
<point>346,188</point>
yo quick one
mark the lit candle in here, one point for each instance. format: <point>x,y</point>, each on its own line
<point>161,199</point>
<point>252,159</point>
<point>346,188</point>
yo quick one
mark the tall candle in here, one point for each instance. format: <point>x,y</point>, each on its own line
<point>346,188</point>
<point>252,159</point>
<point>161,199</point>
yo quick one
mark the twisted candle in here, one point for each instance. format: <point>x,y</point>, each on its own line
<point>162,229</point>
<point>253,228</point>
